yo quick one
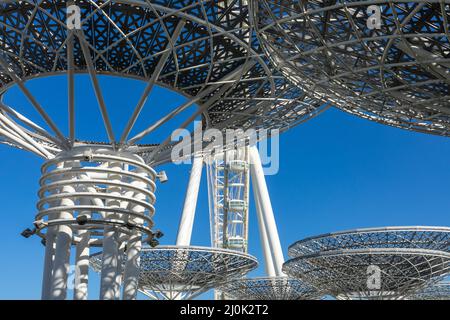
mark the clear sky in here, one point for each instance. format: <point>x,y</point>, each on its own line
<point>337,172</point>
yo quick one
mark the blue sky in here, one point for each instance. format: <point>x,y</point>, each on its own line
<point>336,172</point>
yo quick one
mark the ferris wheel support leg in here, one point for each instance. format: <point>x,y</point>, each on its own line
<point>259,182</point>
<point>109,288</point>
<point>134,246</point>
<point>269,265</point>
<point>190,203</point>
<point>80,291</point>
<point>63,244</point>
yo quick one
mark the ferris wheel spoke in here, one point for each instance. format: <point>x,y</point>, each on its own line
<point>96,85</point>
<point>151,83</point>
<point>20,83</point>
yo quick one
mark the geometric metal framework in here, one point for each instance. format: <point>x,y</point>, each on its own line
<point>438,291</point>
<point>406,259</point>
<point>228,176</point>
<point>272,288</point>
<point>203,50</point>
<point>175,273</point>
<point>431,238</point>
<point>344,274</point>
<point>229,188</point>
<point>394,72</point>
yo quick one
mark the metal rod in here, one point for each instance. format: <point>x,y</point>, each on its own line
<point>96,85</point>
<point>151,83</point>
<point>71,86</point>
<point>33,101</point>
<point>190,202</point>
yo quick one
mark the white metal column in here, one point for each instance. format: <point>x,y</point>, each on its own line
<point>269,265</point>
<point>80,291</point>
<point>63,242</point>
<point>260,187</point>
<point>109,288</point>
<point>190,203</point>
<point>134,246</point>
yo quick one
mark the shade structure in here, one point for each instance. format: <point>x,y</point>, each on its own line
<point>346,274</point>
<point>372,263</point>
<point>430,238</point>
<point>204,50</point>
<point>175,273</point>
<point>437,291</point>
<point>386,61</point>
<point>269,288</point>
<point>99,190</point>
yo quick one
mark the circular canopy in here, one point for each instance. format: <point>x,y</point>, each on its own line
<point>432,238</point>
<point>382,60</point>
<point>275,288</point>
<point>172,272</point>
<point>205,50</point>
<point>438,291</point>
<point>348,273</point>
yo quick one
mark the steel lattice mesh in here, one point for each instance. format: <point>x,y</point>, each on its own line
<point>397,75</point>
<point>344,273</point>
<point>432,238</point>
<point>279,288</point>
<point>169,272</point>
<point>409,258</point>
<point>438,291</point>
<point>215,60</point>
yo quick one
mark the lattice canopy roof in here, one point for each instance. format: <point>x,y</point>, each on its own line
<point>277,288</point>
<point>170,272</point>
<point>205,50</point>
<point>345,274</point>
<point>396,73</point>
<point>438,291</point>
<point>432,238</point>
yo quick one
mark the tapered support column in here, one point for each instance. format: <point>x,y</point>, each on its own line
<point>190,203</point>
<point>269,265</point>
<point>63,242</point>
<point>49,254</point>
<point>48,263</point>
<point>110,288</point>
<point>134,246</point>
<point>80,291</point>
<point>260,187</point>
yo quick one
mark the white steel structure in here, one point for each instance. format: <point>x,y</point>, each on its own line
<point>183,272</point>
<point>229,177</point>
<point>374,263</point>
<point>437,291</point>
<point>102,194</point>
<point>270,288</point>
<point>229,190</point>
